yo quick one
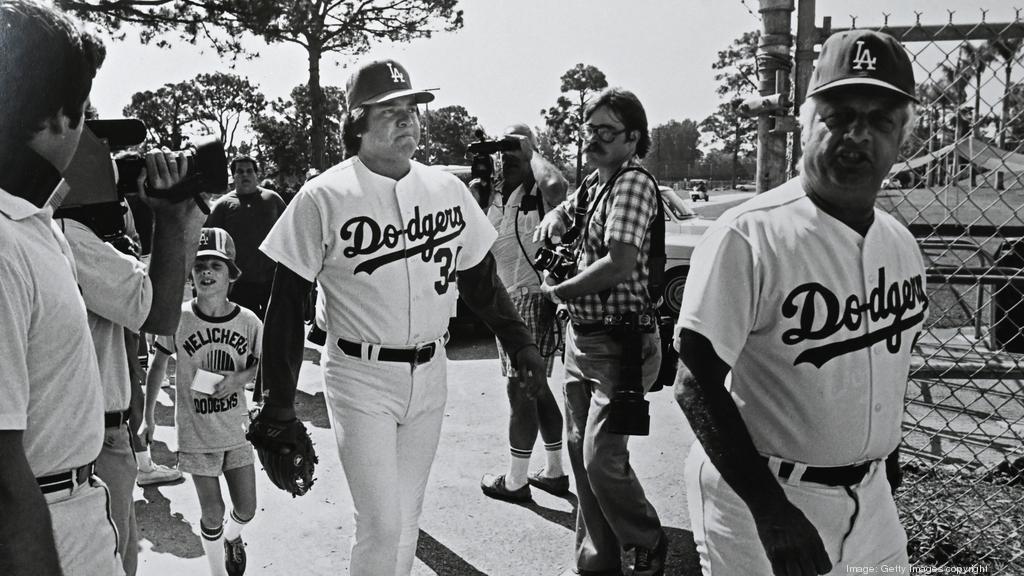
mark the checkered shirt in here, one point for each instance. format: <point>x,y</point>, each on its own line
<point>624,214</point>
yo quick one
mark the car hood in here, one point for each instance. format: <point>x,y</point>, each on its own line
<point>682,237</point>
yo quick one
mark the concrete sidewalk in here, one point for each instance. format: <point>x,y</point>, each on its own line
<point>462,531</point>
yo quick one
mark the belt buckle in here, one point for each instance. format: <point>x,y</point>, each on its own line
<point>424,353</point>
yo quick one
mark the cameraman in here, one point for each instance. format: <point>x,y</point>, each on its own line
<point>54,511</point>
<point>607,350</point>
<point>121,294</point>
<point>530,187</point>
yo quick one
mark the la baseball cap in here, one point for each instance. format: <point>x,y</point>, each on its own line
<point>863,57</point>
<point>381,81</point>
<point>216,242</point>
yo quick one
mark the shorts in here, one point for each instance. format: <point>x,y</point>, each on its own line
<point>538,314</point>
<point>215,463</point>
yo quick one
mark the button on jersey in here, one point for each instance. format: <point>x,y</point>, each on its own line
<point>816,321</point>
<point>385,253</point>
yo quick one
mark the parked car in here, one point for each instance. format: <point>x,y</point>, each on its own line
<point>699,190</point>
<point>683,229</point>
<point>746,188</point>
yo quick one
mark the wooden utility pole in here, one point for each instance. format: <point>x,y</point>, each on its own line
<point>806,38</point>
<point>774,63</point>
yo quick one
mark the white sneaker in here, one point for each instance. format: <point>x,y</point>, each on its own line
<point>160,474</point>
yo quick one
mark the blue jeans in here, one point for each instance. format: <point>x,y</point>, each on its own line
<point>613,512</point>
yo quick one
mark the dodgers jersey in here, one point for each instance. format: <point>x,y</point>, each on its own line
<point>384,252</point>
<point>816,321</point>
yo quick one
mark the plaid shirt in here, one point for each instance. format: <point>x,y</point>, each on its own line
<point>623,214</point>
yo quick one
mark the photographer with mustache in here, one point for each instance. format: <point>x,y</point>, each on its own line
<point>795,335</point>
<point>610,343</point>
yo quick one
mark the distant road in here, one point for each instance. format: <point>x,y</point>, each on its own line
<point>719,202</point>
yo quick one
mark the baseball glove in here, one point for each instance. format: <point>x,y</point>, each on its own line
<point>286,452</point>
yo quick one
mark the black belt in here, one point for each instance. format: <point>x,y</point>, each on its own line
<point>115,419</point>
<point>590,327</point>
<point>66,480</point>
<point>832,476</point>
<point>415,356</point>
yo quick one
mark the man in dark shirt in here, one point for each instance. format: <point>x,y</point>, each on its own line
<point>248,214</point>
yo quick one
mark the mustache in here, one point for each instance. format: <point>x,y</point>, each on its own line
<point>594,147</point>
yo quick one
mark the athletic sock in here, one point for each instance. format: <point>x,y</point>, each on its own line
<point>233,527</point>
<point>213,545</point>
<point>145,460</point>
<point>553,461</point>
<point>518,469</point>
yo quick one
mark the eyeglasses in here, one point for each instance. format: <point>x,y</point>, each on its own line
<point>606,134</point>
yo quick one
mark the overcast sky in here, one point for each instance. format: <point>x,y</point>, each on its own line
<point>504,65</point>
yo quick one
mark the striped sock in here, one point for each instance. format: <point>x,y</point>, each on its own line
<point>233,527</point>
<point>518,469</point>
<point>553,461</point>
<point>213,545</point>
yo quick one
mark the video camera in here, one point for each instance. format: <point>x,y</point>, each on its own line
<point>206,166</point>
<point>482,164</point>
<point>95,195</point>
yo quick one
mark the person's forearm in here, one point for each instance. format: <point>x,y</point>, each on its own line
<point>27,547</point>
<point>599,276</point>
<point>482,290</point>
<point>154,378</point>
<point>175,241</point>
<point>719,427</point>
<point>283,342</point>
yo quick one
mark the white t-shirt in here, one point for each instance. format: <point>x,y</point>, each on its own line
<point>816,321</point>
<point>229,343</point>
<point>514,267</point>
<point>384,252</point>
<point>117,294</point>
<point>49,380</point>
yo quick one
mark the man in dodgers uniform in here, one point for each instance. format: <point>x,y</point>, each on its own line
<point>53,509</point>
<point>796,329</point>
<point>390,243</point>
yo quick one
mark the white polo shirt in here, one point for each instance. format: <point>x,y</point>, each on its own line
<point>816,321</point>
<point>49,380</point>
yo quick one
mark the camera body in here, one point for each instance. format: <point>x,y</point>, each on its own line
<point>559,261</point>
<point>206,168</point>
<point>481,167</point>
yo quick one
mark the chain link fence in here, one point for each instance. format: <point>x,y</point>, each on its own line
<point>959,187</point>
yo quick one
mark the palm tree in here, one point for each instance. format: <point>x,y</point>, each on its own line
<point>1007,50</point>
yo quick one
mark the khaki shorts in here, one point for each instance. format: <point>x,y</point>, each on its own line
<point>215,463</point>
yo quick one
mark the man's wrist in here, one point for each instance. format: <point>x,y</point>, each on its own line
<point>280,413</point>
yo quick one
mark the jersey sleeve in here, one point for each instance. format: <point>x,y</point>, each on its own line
<point>15,315</point>
<point>479,233</point>
<point>297,239</point>
<point>721,293</point>
<point>633,207</point>
<point>256,342</point>
<point>115,286</point>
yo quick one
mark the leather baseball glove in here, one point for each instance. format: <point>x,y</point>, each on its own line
<point>286,452</point>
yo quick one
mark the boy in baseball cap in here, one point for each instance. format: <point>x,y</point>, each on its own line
<point>217,347</point>
<point>217,243</point>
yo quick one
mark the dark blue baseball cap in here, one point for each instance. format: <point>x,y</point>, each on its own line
<point>380,81</point>
<point>864,58</point>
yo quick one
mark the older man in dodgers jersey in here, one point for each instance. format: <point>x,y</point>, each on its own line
<point>807,300</point>
<point>391,243</point>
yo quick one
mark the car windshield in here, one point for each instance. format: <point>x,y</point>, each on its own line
<point>677,206</point>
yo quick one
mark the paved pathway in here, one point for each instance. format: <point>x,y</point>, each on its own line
<point>462,532</point>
